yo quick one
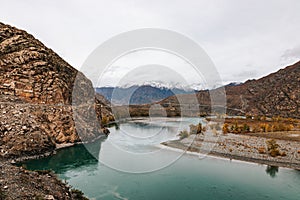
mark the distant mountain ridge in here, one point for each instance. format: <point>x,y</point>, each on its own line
<point>137,95</point>
<point>277,94</point>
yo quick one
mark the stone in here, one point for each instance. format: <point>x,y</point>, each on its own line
<point>49,197</point>
<point>36,95</point>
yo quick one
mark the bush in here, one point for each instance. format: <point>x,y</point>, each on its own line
<point>195,129</point>
<point>248,116</point>
<point>262,150</point>
<point>263,118</point>
<point>183,134</point>
<point>272,144</point>
<point>104,120</point>
<point>225,128</point>
<point>237,128</point>
<point>273,148</point>
<point>275,152</point>
<point>246,128</point>
<point>283,154</point>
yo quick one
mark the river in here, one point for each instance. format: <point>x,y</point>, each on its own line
<point>130,164</point>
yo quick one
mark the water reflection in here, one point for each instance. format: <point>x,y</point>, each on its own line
<point>272,171</point>
<point>68,158</point>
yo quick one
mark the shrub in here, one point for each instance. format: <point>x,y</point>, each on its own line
<point>246,128</point>
<point>257,118</point>
<point>183,134</point>
<point>272,144</point>
<point>248,116</point>
<point>273,148</point>
<point>225,128</point>
<point>262,150</point>
<point>104,120</point>
<point>195,129</point>
<point>255,129</point>
<point>263,127</point>
<point>275,152</point>
<point>283,154</point>
<point>111,118</point>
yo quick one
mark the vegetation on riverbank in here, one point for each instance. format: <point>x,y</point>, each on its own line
<point>194,129</point>
<point>259,125</point>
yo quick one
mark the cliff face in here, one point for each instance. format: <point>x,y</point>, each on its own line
<point>37,100</point>
<point>31,71</point>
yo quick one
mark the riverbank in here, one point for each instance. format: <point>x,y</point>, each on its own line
<point>19,183</point>
<point>14,182</point>
<point>240,147</point>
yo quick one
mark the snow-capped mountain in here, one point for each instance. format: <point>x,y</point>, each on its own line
<point>140,94</point>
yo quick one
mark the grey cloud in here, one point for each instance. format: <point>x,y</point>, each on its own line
<point>292,53</point>
<point>233,33</point>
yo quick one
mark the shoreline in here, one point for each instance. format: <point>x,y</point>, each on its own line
<point>192,149</point>
<point>49,153</point>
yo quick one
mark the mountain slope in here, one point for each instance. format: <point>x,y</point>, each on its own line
<point>277,94</point>
<point>136,95</point>
<point>38,100</point>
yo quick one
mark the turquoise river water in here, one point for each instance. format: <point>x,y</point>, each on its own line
<point>148,171</point>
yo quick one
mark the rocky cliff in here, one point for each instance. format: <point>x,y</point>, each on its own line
<point>38,106</point>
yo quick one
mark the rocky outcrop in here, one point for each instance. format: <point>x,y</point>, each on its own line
<point>44,101</point>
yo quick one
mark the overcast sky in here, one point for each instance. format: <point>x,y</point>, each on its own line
<point>244,38</point>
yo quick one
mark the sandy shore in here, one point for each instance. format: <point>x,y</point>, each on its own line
<point>240,147</point>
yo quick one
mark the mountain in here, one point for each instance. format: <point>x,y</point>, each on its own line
<point>45,102</point>
<point>135,95</point>
<point>277,94</point>
<point>234,84</point>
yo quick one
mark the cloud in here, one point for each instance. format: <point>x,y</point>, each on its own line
<point>235,34</point>
<point>291,55</point>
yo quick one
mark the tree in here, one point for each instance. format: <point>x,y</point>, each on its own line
<point>273,148</point>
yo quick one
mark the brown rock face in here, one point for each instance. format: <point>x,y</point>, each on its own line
<point>31,71</point>
<point>39,107</point>
<point>276,94</point>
